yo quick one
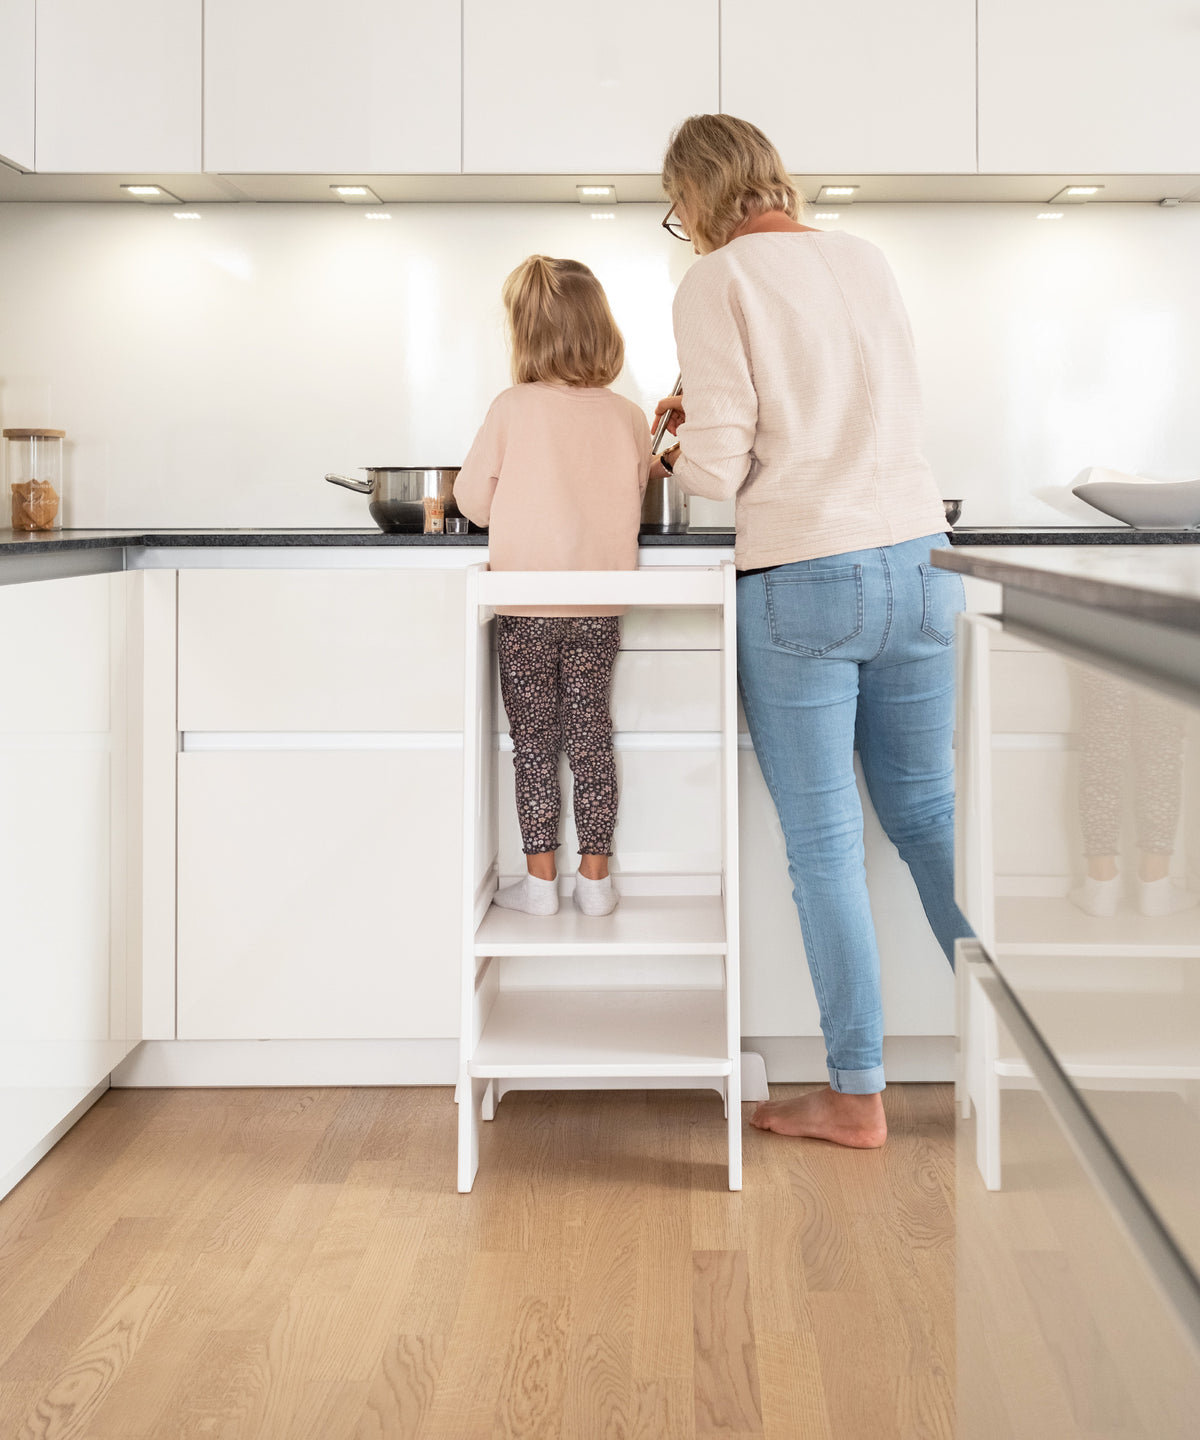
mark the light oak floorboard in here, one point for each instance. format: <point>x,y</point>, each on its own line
<point>296,1265</point>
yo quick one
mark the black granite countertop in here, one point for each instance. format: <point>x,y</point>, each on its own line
<point>64,541</point>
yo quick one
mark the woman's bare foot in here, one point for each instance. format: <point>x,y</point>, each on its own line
<point>854,1120</point>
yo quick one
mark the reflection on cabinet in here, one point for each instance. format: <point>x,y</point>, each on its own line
<point>17,26</point>
<point>118,85</point>
<point>1070,87</point>
<point>319,894</point>
<point>349,650</point>
<point>549,88</point>
<point>358,87</point>
<point>861,87</point>
<point>68,969</point>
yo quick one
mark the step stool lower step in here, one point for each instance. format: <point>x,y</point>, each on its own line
<point>640,925</point>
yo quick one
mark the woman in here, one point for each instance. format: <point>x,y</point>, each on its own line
<point>800,397</point>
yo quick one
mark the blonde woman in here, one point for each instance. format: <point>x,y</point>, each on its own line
<point>557,472</point>
<point>800,398</point>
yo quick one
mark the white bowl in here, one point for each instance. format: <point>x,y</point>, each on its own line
<point>1145,505</point>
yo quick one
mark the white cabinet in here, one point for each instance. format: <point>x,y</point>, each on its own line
<point>118,85</point>
<point>319,894</point>
<point>549,88</point>
<point>356,87</point>
<point>1078,88</point>
<point>320,650</point>
<point>67,965</point>
<point>17,27</point>
<point>860,87</point>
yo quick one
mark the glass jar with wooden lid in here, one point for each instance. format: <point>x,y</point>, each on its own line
<point>35,478</point>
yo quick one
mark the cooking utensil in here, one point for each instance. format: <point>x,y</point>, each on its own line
<point>665,506</point>
<point>398,494</point>
<point>953,509</point>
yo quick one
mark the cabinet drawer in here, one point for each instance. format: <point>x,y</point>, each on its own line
<point>320,650</point>
<point>319,894</point>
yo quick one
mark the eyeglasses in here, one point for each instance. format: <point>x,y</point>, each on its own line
<point>675,227</point>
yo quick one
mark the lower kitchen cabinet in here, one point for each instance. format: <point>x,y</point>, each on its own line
<point>319,893</point>
<point>68,961</point>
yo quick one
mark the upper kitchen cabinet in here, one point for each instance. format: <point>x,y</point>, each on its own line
<point>118,86</point>
<point>356,87</point>
<point>554,89</point>
<point>857,88</point>
<point>17,25</point>
<point>1078,87</point>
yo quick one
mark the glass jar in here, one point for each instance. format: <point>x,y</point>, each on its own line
<point>35,478</point>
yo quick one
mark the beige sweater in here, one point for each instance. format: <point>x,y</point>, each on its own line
<point>557,473</point>
<point>802,399</point>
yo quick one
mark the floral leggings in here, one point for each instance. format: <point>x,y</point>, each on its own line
<point>554,676</point>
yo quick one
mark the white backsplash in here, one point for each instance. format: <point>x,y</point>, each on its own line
<point>209,373</point>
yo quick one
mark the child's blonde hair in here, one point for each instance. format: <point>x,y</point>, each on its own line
<point>561,327</point>
<point>721,172</point>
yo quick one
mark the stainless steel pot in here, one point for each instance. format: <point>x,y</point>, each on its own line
<point>398,494</point>
<point>665,507</point>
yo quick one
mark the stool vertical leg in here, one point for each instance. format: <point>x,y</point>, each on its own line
<point>470,1115</point>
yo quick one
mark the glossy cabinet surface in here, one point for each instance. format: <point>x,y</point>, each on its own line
<point>1063,1328</point>
<point>68,964</point>
<point>358,87</point>
<point>1071,87</point>
<point>118,85</point>
<point>18,25</point>
<point>551,89</point>
<point>861,87</point>
<point>1076,773</point>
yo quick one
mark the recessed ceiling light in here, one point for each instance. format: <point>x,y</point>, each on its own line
<point>838,192</point>
<point>588,193</point>
<point>151,194</point>
<point>603,215</point>
<point>1050,215</point>
<point>355,194</point>
<point>187,215</point>
<point>1076,194</point>
<point>377,215</point>
<point>826,215</point>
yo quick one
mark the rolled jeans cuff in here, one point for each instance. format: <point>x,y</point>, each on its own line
<point>857,1082</point>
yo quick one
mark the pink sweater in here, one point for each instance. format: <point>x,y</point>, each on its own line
<point>557,473</point>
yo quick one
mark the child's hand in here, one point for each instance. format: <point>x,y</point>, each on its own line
<point>672,402</point>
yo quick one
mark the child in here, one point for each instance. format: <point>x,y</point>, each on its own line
<point>557,472</point>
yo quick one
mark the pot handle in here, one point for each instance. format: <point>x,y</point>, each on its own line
<point>364,487</point>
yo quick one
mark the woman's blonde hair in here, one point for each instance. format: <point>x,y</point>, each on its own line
<point>723,171</point>
<point>560,324</point>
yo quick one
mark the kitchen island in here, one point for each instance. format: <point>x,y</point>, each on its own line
<point>1079,1080</point>
<point>231,765</point>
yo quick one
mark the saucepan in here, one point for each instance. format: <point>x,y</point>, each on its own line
<point>665,507</point>
<point>398,493</point>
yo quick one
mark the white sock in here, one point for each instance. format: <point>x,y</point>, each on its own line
<point>533,896</point>
<point>1098,897</point>
<point>1163,897</point>
<point>595,897</point>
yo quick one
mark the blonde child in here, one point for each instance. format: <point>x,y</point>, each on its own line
<point>557,473</point>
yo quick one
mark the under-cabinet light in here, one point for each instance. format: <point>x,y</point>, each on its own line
<point>595,192</point>
<point>1075,194</point>
<point>151,194</point>
<point>837,192</point>
<point>355,194</point>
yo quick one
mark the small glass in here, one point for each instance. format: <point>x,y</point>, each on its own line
<point>35,478</point>
<point>457,525</point>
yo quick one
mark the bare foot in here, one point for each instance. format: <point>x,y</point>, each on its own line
<point>854,1120</point>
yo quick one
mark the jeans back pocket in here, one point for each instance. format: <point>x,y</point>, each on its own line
<point>944,601</point>
<point>815,612</point>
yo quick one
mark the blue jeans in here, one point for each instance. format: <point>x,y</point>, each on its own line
<point>844,652</point>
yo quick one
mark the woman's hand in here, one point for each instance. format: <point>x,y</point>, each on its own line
<point>672,402</point>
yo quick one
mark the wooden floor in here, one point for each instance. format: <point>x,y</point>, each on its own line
<point>297,1264</point>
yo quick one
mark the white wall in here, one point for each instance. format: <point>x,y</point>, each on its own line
<point>209,373</point>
